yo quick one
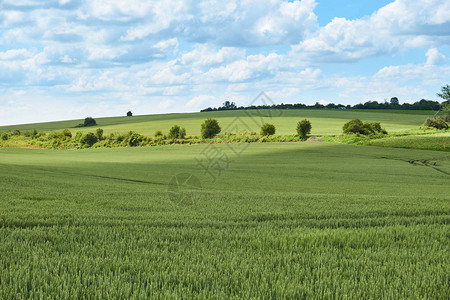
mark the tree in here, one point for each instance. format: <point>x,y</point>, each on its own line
<point>176,132</point>
<point>394,102</point>
<point>89,121</point>
<point>445,106</point>
<point>445,93</point>
<point>267,129</point>
<point>129,114</point>
<point>210,128</point>
<point>303,129</point>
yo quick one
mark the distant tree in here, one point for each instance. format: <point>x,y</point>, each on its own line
<point>129,114</point>
<point>158,133</point>
<point>210,128</point>
<point>89,121</point>
<point>394,103</point>
<point>303,129</point>
<point>267,129</point>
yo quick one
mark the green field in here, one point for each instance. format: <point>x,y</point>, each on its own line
<point>282,220</point>
<point>325,122</point>
<point>270,220</point>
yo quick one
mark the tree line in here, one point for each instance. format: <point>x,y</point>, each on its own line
<point>392,104</point>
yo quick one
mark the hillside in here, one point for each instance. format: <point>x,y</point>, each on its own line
<point>324,121</point>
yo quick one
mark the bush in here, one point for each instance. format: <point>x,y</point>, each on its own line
<point>66,133</point>
<point>368,128</point>
<point>353,126</point>
<point>134,139</point>
<point>267,129</point>
<point>129,114</point>
<point>89,122</point>
<point>436,123</point>
<point>4,136</point>
<point>446,117</point>
<point>158,133</point>
<point>176,132</point>
<point>210,128</point>
<point>89,139</point>
<point>99,133</point>
<point>303,129</point>
<point>78,136</point>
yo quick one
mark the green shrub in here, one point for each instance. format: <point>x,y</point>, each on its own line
<point>267,129</point>
<point>4,136</point>
<point>99,133</point>
<point>368,128</point>
<point>176,132</point>
<point>134,139</point>
<point>67,133</point>
<point>446,117</point>
<point>210,128</point>
<point>78,136</point>
<point>353,126</point>
<point>436,123</point>
<point>89,139</point>
<point>158,133</point>
<point>16,132</point>
<point>303,129</point>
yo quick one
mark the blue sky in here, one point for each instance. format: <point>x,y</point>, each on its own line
<point>64,59</point>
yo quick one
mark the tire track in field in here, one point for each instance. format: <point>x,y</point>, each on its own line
<point>420,162</point>
<point>87,175</point>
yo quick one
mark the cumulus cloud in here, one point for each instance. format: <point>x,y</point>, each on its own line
<point>394,27</point>
<point>202,52</point>
<point>434,57</point>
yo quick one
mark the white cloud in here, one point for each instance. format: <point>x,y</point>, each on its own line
<point>199,102</point>
<point>396,26</point>
<point>434,57</point>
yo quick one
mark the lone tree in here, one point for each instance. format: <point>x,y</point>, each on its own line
<point>129,114</point>
<point>445,94</point>
<point>267,129</point>
<point>303,129</point>
<point>89,121</point>
<point>210,128</point>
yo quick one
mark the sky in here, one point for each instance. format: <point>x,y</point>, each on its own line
<point>68,59</point>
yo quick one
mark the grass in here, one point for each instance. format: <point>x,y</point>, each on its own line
<point>324,122</point>
<point>281,220</point>
<point>438,141</point>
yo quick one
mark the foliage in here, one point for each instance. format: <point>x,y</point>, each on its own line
<point>129,114</point>
<point>135,139</point>
<point>210,128</point>
<point>89,139</point>
<point>267,129</point>
<point>368,128</point>
<point>176,132</point>
<point>436,123</point>
<point>303,129</point>
<point>99,133</point>
<point>158,133</point>
<point>445,93</point>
